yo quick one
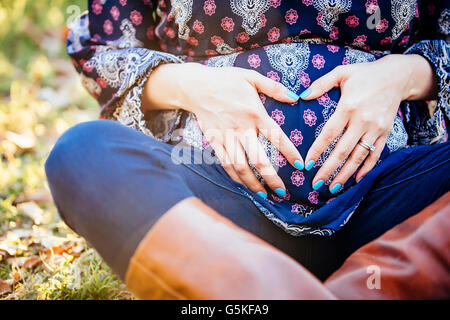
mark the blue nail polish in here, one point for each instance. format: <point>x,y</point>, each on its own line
<point>318,184</point>
<point>262,194</point>
<point>292,95</point>
<point>335,188</point>
<point>299,165</point>
<point>309,165</point>
<point>280,192</point>
<point>359,179</point>
<point>305,94</point>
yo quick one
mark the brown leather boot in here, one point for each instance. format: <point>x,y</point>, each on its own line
<point>192,252</point>
<point>413,260</point>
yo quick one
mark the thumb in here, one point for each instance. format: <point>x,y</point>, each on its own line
<point>272,88</point>
<point>324,84</point>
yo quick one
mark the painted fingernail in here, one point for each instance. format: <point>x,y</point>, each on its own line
<point>359,179</point>
<point>318,184</point>
<point>305,94</point>
<point>309,165</point>
<point>335,188</point>
<point>292,95</point>
<point>299,165</point>
<point>262,194</point>
<point>280,192</point>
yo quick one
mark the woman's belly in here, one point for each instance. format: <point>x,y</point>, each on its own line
<point>297,65</point>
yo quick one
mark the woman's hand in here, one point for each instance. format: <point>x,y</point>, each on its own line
<point>230,114</point>
<point>370,96</point>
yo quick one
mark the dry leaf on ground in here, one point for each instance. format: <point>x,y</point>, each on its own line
<point>4,288</point>
<point>41,196</point>
<point>32,210</point>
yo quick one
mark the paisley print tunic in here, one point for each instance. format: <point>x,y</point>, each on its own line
<point>117,43</point>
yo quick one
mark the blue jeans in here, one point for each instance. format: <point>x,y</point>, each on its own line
<point>111,183</point>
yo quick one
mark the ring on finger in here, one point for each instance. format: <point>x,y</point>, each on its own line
<point>367,145</point>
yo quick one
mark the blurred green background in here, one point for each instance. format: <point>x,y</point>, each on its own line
<point>40,97</point>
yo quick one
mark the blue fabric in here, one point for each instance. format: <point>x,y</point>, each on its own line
<point>111,183</point>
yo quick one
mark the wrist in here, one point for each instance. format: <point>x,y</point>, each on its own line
<point>420,79</point>
<point>415,76</point>
<point>161,90</point>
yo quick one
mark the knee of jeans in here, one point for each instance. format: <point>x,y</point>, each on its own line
<point>82,138</point>
<point>73,158</point>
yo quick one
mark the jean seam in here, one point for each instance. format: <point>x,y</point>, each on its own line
<point>411,177</point>
<point>203,176</point>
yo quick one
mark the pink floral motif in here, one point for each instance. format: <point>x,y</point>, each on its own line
<point>310,117</point>
<point>319,19</point>
<point>304,31</point>
<point>334,33</point>
<point>254,45</point>
<point>254,60</point>
<point>278,116</point>
<point>274,34</point>
<point>281,160</point>
<point>115,13</point>
<point>198,27</point>
<point>386,41</point>
<point>242,37</point>
<point>291,16</point>
<point>108,27</point>
<point>88,67</point>
<point>227,24</point>
<point>102,83</point>
<point>275,3</point>
<point>371,6</point>
<point>295,208</point>
<point>273,75</point>
<point>192,41</point>
<point>209,7</point>
<point>323,99</point>
<point>382,25</point>
<point>263,19</point>
<point>97,7</point>
<point>296,137</point>
<point>307,2</point>
<point>136,17</point>
<point>332,48</point>
<point>313,197</point>
<point>169,32</point>
<point>150,32</point>
<point>404,40</point>
<point>263,98</point>
<point>123,2</point>
<point>277,199</point>
<point>205,142</point>
<point>318,61</point>
<point>297,178</point>
<point>304,79</point>
<point>360,40</point>
<point>345,61</point>
<point>215,40</point>
<point>211,53</point>
<point>352,21</point>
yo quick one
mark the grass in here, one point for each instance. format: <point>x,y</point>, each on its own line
<point>41,97</point>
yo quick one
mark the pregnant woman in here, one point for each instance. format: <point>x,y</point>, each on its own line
<point>315,125</point>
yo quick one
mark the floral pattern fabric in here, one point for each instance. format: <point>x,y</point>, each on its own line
<point>117,43</point>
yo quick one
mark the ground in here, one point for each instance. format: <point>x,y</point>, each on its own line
<point>41,97</point>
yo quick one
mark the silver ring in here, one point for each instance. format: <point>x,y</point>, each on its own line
<point>367,145</point>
